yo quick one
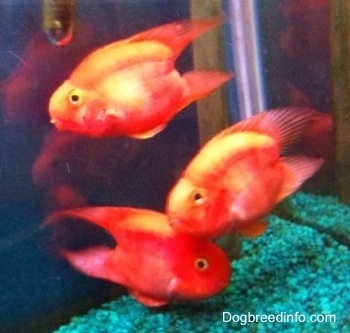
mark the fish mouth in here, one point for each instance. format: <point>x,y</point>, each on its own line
<point>179,289</point>
<point>62,125</point>
<point>53,121</point>
<point>57,123</point>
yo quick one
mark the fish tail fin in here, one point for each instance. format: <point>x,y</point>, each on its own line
<point>202,83</point>
<point>177,35</point>
<point>298,170</point>
<point>90,261</point>
<point>286,125</point>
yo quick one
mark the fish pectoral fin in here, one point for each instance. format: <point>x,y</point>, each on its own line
<point>148,300</point>
<point>149,134</point>
<point>90,261</point>
<point>254,229</point>
<point>114,113</point>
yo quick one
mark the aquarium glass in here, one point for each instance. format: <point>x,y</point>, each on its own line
<point>279,52</point>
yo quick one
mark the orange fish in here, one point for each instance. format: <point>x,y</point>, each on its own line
<point>131,87</point>
<point>156,264</point>
<point>238,176</point>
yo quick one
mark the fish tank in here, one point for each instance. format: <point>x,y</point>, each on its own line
<point>240,60</point>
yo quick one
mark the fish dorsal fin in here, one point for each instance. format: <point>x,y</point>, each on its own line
<point>117,220</point>
<point>253,229</point>
<point>285,125</point>
<point>107,217</point>
<point>177,35</point>
<point>298,169</point>
<point>198,90</point>
<point>148,300</point>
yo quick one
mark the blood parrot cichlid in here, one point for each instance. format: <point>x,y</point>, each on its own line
<point>239,175</point>
<point>156,264</point>
<point>131,87</point>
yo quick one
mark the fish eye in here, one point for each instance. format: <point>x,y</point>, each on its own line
<point>75,97</point>
<point>201,264</point>
<point>198,196</point>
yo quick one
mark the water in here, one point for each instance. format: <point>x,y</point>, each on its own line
<point>42,170</point>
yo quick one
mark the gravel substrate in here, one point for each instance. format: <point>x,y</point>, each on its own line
<point>292,273</point>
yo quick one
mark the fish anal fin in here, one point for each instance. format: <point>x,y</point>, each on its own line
<point>297,170</point>
<point>148,300</point>
<point>148,134</point>
<point>202,83</point>
<point>254,229</point>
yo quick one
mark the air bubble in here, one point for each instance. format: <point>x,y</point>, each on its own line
<point>59,20</point>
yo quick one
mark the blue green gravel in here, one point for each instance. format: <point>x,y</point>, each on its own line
<point>292,270</point>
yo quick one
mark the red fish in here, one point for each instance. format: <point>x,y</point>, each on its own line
<point>238,176</point>
<point>25,93</point>
<point>131,87</point>
<point>317,140</point>
<point>305,42</point>
<point>71,169</point>
<point>157,264</point>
